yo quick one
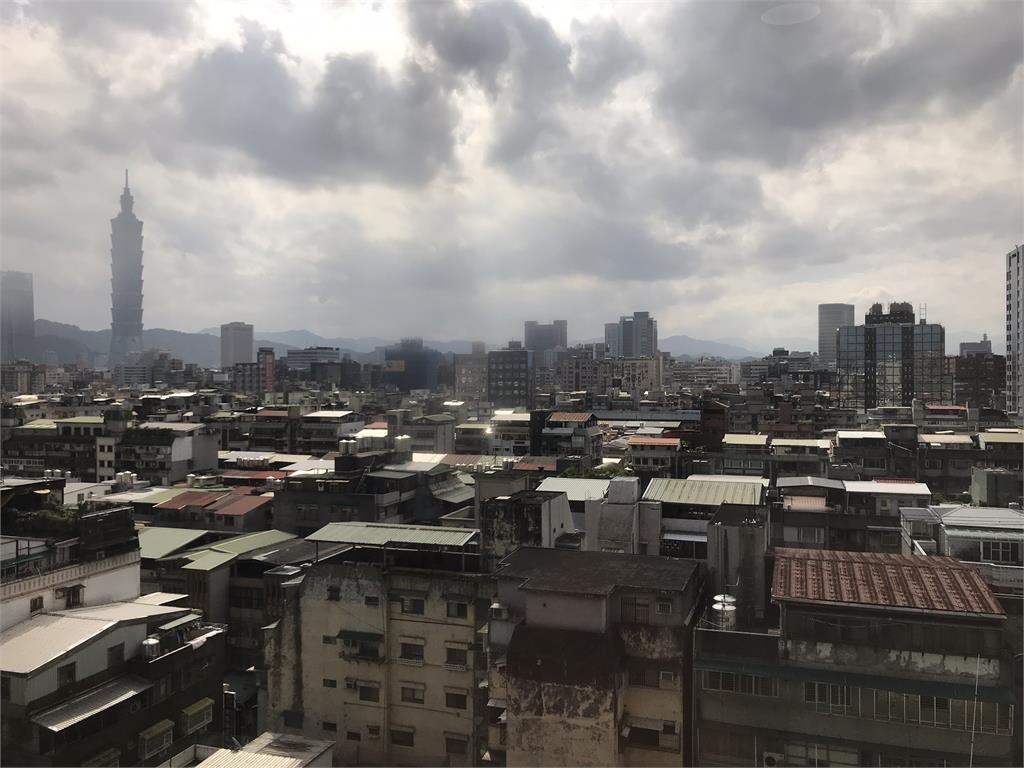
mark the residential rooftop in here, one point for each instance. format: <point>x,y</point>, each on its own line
<point>875,580</point>
<point>704,492</point>
<point>385,534</point>
<point>594,573</point>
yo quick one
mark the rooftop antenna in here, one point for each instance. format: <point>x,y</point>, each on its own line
<point>922,311</point>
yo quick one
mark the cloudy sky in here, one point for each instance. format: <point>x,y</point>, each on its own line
<point>448,170</point>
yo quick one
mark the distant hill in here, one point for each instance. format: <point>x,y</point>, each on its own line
<point>70,343</point>
<point>679,346</point>
<point>356,347</point>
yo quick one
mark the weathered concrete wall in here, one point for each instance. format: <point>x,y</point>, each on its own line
<point>551,724</point>
<point>550,609</point>
<point>892,660</point>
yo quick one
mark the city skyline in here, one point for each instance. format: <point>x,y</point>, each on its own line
<point>531,151</point>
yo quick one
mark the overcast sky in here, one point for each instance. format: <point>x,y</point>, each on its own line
<point>450,170</point>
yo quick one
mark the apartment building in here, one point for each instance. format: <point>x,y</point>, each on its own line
<point>123,683</point>
<point>1015,332</point>
<point>562,433</point>
<point>525,519</point>
<point>318,432</point>
<point>165,453</point>
<point>875,659</point>
<point>589,659</point>
<point>654,456</point>
<point>377,647</point>
<point>511,380</point>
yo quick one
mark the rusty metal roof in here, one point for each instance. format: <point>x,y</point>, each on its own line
<point>874,580</point>
<point>570,416</point>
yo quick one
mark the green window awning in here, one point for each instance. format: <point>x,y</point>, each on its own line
<point>156,729</point>
<point>366,637</point>
<point>199,706</point>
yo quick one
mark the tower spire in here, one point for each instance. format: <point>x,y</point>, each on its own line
<point>126,178</point>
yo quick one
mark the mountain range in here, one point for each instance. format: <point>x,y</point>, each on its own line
<point>69,344</point>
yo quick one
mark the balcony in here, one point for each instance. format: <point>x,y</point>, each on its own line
<point>66,575</point>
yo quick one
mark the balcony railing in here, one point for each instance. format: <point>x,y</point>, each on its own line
<point>66,574</point>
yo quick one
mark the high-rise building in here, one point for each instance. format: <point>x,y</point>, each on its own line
<point>891,360</point>
<point>543,337</point>
<point>126,282</point>
<point>983,347</point>
<point>1014,337</point>
<point>510,378</point>
<point>831,317</point>
<point>303,359</point>
<point>17,316</point>
<point>235,344</point>
<point>632,336</point>
<point>266,362</point>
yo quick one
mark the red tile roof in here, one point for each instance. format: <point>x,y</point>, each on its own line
<point>665,441</point>
<point>881,581</point>
<point>568,416</point>
<point>377,425</point>
<point>254,474</point>
<point>191,499</point>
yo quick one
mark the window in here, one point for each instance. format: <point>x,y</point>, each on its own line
<point>668,728</point>
<point>115,655</point>
<point>457,610</point>
<point>413,605</point>
<point>327,726</point>
<point>753,685</point>
<point>36,604</point>
<point>401,738</point>
<point>328,683</point>
<point>454,700</point>
<point>5,688</point>
<point>369,693</point>
<point>334,593</point>
<point>156,739</point>
<point>329,639</point>
<point>73,596</point>
<point>373,731</point>
<point>455,745</point>
<point>456,656</point>
<point>412,694</point>
<point>411,652</point>
<point>66,675</point>
<point>197,716</point>
<point>824,694</point>
<point>1000,551</point>
<point>664,606</point>
<point>371,601</point>
<point>354,736</point>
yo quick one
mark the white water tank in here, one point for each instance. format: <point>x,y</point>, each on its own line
<point>150,648</point>
<point>190,480</point>
<point>725,599</point>
<point>723,616</point>
<point>403,444</point>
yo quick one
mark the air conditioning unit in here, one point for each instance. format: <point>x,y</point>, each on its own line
<point>772,759</point>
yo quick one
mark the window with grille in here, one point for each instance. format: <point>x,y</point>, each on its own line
<point>401,737</point>
<point>369,693</point>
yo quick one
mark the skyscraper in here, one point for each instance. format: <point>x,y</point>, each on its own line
<point>831,317</point>
<point>126,282</point>
<point>17,316</point>
<point>1014,335</point>
<point>235,344</point>
<point>632,336</point>
<point>891,360</point>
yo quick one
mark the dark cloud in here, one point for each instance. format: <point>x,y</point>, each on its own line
<point>604,57</point>
<point>734,86</point>
<point>514,56</point>
<point>100,22</point>
<point>362,124</point>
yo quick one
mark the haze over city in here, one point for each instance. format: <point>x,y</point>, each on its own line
<point>447,171</point>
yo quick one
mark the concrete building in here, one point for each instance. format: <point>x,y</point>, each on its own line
<point>875,659</point>
<point>304,359</point>
<point>17,316</point>
<point>1015,331</point>
<point>588,656</point>
<point>165,452</point>
<point>632,336</point>
<point>377,647</point>
<point>50,564</point>
<point>122,683</point>
<point>996,487</point>
<point>831,317</point>
<point>434,433</point>
<point>510,433</point>
<point>983,347</point>
<point>318,432</point>
<point>525,519</point>
<point>511,381</point>
<point>267,366</point>
<point>236,344</point>
<point>891,360</point>
<point>979,379</point>
<point>409,365</point>
<point>126,283</point>
<point>470,373</point>
<point>622,522</point>
<point>540,338</point>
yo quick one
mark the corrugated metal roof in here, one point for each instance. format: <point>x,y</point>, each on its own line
<point>738,439</point>
<point>227,758</point>
<point>804,481</point>
<point>235,505</point>
<point>665,442</point>
<point>124,612</point>
<point>883,581</point>
<point>381,534</point>
<point>328,414</point>
<point>704,493</point>
<point>155,542</point>
<point>209,561</point>
<point>981,517</point>
<point>159,598</point>
<point>854,434</point>
<point>27,646</point>
<point>570,416</point>
<point>239,545</point>
<point>191,499</point>
<point>577,489</point>
<point>945,439</point>
<point>887,487</point>
<point>91,702</point>
<point>800,442</point>
<point>453,492</point>
<point>1001,437</point>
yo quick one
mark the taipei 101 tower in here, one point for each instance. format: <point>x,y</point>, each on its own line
<point>126,282</point>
